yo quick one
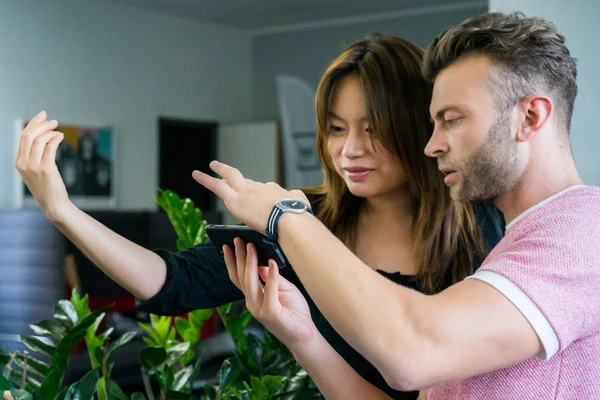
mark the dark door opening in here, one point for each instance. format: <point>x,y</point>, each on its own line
<point>185,146</point>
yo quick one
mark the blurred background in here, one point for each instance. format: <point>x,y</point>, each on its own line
<point>148,90</point>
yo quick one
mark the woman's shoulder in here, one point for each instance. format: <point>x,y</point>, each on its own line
<point>491,222</point>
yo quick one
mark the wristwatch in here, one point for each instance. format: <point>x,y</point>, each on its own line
<point>281,207</point>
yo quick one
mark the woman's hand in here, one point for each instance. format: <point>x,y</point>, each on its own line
<point>35,161</point>
<point>279,305</point>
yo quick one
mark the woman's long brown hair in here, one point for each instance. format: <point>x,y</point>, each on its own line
<point>446,236</point>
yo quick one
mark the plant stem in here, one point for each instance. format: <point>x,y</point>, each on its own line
<point>147,385</point>
<point>26,354</point>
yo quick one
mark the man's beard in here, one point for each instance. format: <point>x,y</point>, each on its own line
<point>493,169</point>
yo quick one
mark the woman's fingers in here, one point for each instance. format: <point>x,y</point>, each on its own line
<point>38,148</point>
<point>271,296</point>
<point>254,290</point>
<point>231,264</point>
<point>30,134</point>
<point>240,258</point>
<point>49,156</point>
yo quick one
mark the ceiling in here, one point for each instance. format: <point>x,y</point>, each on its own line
<point>256,15</point>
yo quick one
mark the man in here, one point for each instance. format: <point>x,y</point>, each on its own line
<point>527,324</point>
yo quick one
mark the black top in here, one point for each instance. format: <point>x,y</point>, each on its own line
<point>197,278</point>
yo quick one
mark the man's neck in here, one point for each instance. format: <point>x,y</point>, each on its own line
<point>549,175</point>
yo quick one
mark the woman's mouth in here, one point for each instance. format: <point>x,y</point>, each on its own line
<point>358,173</point>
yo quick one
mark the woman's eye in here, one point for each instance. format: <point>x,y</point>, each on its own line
<point>335,129</point>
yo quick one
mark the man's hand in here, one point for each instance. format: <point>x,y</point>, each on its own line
<point>251,202</point>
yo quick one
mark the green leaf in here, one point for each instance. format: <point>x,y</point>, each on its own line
<point>123,339</point>
<point>235,326</point>
<point>150,341</point>
<point>49,327</point>
<point>255,350</point>
<point>62,394</point>
<point>273,383</point>
<point>85,388</point>
<point>188,357</point>
<point>33,365</point>
<point>5,384</point>
<point>31,384</point>
<point>110,368</point>
<point>64,349</point>
<point>170,337</point>
<point>102,395</point>
<point>98,356</point>
<point>65,312</point>
<point>153,358</point>
<point>174,353</point>
<point>182,326</point>
<point>75,295</point>
<point>198,317</point>
<point>181,378</point>
<point>20,394</point>
<point>168,377</point>
<point>114,391</point>
<point>4,360</point>
<point>35,344</point>
<point>151,332</point>
<point>225,308</point>
<point>228,373</point>
<point>197,368</point>
<point>138,396</point>
<point>172,395</point>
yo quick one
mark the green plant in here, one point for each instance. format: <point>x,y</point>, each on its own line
<point>259,369</point>
<point>27,377</point>
<point>100,347</point>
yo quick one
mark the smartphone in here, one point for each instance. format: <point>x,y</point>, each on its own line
<point>266,249</point>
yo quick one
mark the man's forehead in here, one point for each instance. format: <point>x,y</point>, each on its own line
<point>462,82</point>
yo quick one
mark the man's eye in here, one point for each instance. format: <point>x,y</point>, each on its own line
<point>452,121</point>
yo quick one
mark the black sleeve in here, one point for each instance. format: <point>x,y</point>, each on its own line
<point>492,225</point>
<point>196,278</point>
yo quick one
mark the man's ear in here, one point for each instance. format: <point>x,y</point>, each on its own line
<point>535,112</point>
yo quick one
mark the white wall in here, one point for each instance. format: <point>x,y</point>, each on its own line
<point>88,62</point>
<point>578,21</point>
<point>306,52</point>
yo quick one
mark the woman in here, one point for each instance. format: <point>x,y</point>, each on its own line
<point>381,196</point>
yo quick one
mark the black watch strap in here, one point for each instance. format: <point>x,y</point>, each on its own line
<point>276,213</point>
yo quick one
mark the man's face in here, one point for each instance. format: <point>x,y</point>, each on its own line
<point>474,141</point>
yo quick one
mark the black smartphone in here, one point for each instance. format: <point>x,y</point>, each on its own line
<point>266,249</point>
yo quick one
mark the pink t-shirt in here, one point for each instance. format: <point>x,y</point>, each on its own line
<point>548,265</point>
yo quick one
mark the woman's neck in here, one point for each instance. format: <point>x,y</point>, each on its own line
<point>393,208</point>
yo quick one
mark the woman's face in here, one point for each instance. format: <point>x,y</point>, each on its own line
<point>368,169</point>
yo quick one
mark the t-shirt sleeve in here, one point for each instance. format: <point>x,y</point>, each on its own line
<point>548,271</point>
<point>196,278</point>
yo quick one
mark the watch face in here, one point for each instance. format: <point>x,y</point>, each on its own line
<point>295,205</point>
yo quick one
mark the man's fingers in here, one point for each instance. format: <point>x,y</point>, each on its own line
<point>233,176</point>
<point>230,262</point>
<point>38,147</point>
<point>218,186</point>
<point>254,291</point>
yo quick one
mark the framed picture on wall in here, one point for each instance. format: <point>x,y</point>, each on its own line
<point>86,162</point>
